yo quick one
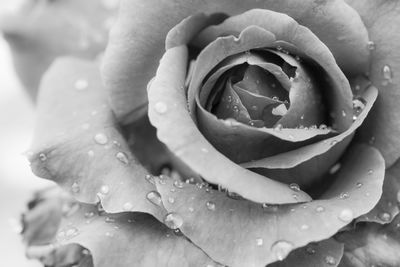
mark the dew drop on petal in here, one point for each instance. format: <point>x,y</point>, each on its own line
<point>259,242</point>
<point>281,249</point>
<point>344,195</point>
<point>371,45</point>
<point>370,171</point>
<point>128,206</point>
<point>42,157</point>
<point>154,197</point>
<point>89,214</point>
<point>173,220</point>
<point>210,205</point>
<point>387,73</point>
<point>310,250</point>
<point>334,142</point>
<point>330,260</point>
<point>81,84</point>
<point>75,187</point>
<point>149,178</point>
<point>335,168</point>
<point>160,107</point>
<point>104,189</point>
<point>121,156</point>
<point>295,187</point>
<point>71,232</point>
<point>384,216</point>
<point>346,215</point>
<point>171,200</point>
<point>358,185</point>
<point>178,184</point>
<point>320,209</point>
<point>101,139</point>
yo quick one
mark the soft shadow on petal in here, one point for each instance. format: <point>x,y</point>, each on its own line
<point>77,142</point>
<point>168,112</point>
<point>371,244</point>
<point>381,19</point>
<point>230,230</point>
<point>133,53</point>
<point>40,31</point>
<point>327,253</point>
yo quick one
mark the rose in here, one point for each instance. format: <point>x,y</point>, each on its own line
<point>355,190</point>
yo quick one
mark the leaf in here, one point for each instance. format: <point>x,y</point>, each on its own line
<point>244,233</point>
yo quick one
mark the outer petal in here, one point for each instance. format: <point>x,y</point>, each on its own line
<point>78,145</point>
<point>169,114</point>
<point>372,245</point>
<point>44,30</point>
<point>243,233</point>
<point>382,128</point>
<point>132,55</point>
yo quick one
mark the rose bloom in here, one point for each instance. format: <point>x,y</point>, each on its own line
<point>222,133</point>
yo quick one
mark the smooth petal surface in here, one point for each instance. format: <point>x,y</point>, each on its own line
<point>382,127</point>
<point>78,145</point>
<point>326,253</point>
<point>132,55</point>
<point>389,204</point>
<point>43,30</point>
<point>244,233</point>
<point>372,245</point>
<point>168,107</point>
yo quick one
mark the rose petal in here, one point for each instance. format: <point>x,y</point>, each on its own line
<point>288,30</point>
<point>298,156</point>
<point>168,107</point>
<point>371,245</point>
<point>230,230</point>
<point>78,145</point>
<point>382,127</point>
<point>132,55</point>
<point>388,206</point>
<point>43,30</point>
<point>326,253</point>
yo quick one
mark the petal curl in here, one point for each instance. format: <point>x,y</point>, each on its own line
<point>382,127</point>
<point>243,233</point>
<point>132,55</point>
<point>168,112</point>
<point>77,142</point>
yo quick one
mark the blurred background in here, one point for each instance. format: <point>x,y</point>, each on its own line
<point>17,115</point>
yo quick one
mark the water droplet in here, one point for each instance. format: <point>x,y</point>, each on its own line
<point>310,250</point>
<point>387,75</point>
<point>330,260</point>
<point>335,168</point>
<point>109,220</point>
<point>210,205</point>
<point>71,232</point>
<point>372,140</point>
<point>178,184</point>
<point>304,227</point>
<point>75,187</point>
<point>173,220</point>
<point>128,206</point>
<point>121,156</point>
<point>384,216</point>
<point>334,142</point>
<point>281,249</point>
<point>278,127</point>
<point>371,45</point>
<point>104,189</point>
<point>101,139</point>
<point>295,187</point>
<point>81,84</point>
<point>42,157</point>
<point>154,197</point>
<point>344,113</point>
<point>259,242</point>
<point>370,171</point>
<point>171,200</point>
<point>344,195</point>
<point>358,185</point>
<point>160,107</point>
<point>346,215</point>
<point>275,98</point>
<point>358,105</point>
<point>320,209</point>
<point>149,178</point>
<point>323,127</point>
